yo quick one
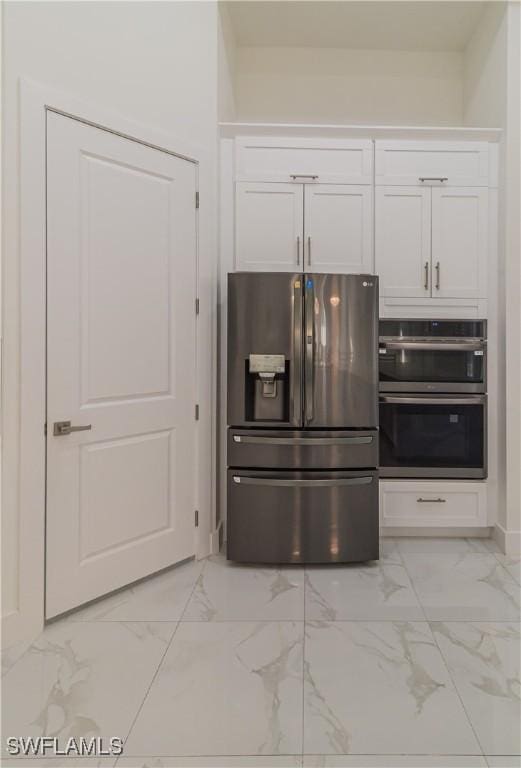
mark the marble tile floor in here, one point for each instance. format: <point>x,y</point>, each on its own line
<point>409,662</point>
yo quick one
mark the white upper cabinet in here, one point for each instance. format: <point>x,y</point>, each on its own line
<point>403,241</point>
<point>327,161</point>
<point>338,228</point>
<point>268,227</point>
<point>460,164</point>
<point>459,242</point>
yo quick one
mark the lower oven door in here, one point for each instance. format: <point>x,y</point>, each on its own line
<point>302,517</point>
<point>440,436</point>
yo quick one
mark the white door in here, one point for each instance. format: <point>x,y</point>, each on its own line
<point>121,282</point>
<point>338,228</point>
<point>459,242</point>
<point>403,241</point>
<point>269,226</point>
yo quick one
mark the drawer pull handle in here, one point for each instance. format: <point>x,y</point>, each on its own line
<point>303,176</point>
<point>439,500</point>
<point>433,178</point>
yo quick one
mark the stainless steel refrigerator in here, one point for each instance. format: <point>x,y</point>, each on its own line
<point>303,417</point>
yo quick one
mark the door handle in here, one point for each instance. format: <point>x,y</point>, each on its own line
<point>308,373</point>
<point>312,176</point>
<point>289,483</point>
<point>426,284</point>
<point>295,370</point>
<point>437,275</point>
<point>309,251</point>
<point>62,428</point>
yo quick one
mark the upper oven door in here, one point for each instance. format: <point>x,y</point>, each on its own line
<point>432,365</point>
<point>441,436</point>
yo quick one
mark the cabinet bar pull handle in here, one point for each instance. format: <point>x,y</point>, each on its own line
<point>437,275</point>
<point>298,250</point>
<point>426,284</point>
<point>439,500</point>
<point>309,251</point>
<point>433,178</point>
<point>303,176</point>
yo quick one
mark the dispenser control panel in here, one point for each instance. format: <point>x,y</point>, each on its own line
<point>267,364</point>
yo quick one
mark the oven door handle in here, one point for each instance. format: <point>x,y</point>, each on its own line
<point>447,346</point>
<point>398,400</point>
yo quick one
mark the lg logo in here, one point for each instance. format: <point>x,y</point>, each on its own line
<point>366,284</point>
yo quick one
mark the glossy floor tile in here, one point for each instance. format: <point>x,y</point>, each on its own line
<point>472,587</point>
<point>378,590</point>
<point>380,687</point>
<point>394,761</point>
<point>225,688</point>
<point>446,546</point>
<point>483,660</point>
<point>83,679</point>
<point>214,761</point>
<point>212,664</point>
<point>226,591</point>
<point>158,598</point>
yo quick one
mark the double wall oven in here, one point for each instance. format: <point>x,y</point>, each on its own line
<point>432,398</point>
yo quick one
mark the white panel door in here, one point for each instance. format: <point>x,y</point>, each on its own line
<point>459,242</point>
<point>403,241</point>
<point>338,228</point>
<point>121,287</point>
<point>268,226</point>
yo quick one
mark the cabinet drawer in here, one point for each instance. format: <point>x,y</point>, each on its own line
<point>323,160</point>
<point>427,504</point>
<point>463,164</point>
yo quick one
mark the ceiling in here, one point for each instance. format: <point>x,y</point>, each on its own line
<point>444,25</point>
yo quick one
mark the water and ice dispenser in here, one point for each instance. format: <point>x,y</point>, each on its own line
<point>266,388</point>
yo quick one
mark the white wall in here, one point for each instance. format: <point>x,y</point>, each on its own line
<point>226,51</point>
<point>154,63</point>
<point>333,85</point>
<point>491,97</point>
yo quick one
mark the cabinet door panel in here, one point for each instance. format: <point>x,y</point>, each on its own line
<point>402,240</point>
<point>268,227</point>
<point>338,228</point>
<point>459,242</point>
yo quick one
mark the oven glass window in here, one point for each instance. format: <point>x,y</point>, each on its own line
<point>431,435</point>
<point>421,365</point>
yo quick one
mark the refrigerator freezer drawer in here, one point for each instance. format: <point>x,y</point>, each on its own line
<point>301,449</point>
<point>302,517</point>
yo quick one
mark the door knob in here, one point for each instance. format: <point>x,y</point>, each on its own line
<point>61,428</point>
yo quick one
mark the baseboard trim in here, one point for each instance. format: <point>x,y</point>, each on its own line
<point>449,532</point>
<point>216,539</point>
<point>508,541</point>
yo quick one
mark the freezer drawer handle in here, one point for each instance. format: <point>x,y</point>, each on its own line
<point>244,480</point>
<point>361,440</point>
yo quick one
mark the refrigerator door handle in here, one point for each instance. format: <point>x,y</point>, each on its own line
<point>288,483</point>
<point>296,373</point>
<point>261,440</point>
<point>309,342</point>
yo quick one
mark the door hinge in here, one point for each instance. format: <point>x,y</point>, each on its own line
<point>197,199</point>
<point>196,516</point>
<point>197,412</point>
<point>197,306</point>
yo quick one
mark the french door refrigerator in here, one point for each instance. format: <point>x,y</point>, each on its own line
<point>302,413</point>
